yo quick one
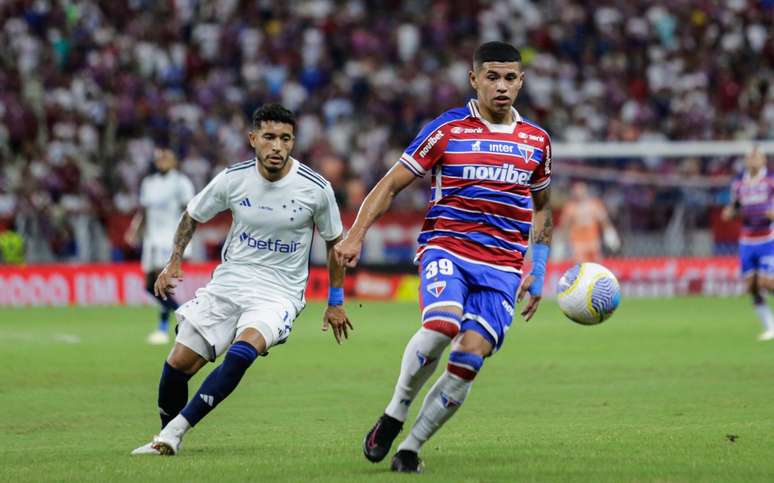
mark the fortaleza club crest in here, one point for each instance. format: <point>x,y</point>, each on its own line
<point>436,288</point>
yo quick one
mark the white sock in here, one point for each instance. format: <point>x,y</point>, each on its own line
<point>440,404</point>
<point>176,428</point>
<point>419,362</point>
<point>764,313</point>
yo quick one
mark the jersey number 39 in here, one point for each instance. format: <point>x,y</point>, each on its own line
<point>444,266</point>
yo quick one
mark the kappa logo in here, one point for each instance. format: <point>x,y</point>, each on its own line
<point>209,400</point>
<point>436,288</point>
<point>423,359</point>
<point>467,130</point>
<point>430,143</point>
<point>448,402</point>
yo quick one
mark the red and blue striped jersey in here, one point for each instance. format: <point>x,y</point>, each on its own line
<point>755,198</point>
<point>483,175</point>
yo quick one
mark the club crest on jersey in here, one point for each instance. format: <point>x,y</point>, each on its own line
<point>526,151</point>
<point>436,288</point>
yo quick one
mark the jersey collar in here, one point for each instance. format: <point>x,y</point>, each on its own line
<point>498,128</point>
<point>285,179</point>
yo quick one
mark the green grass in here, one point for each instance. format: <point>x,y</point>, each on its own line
<point>650,395</point>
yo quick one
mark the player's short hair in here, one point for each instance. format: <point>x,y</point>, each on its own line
<point>273,112</point>
<point>495,52</point>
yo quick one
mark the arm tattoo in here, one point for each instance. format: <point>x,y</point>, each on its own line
<point>185,230</point>
<point>546,231</point>
<point>543,223</point>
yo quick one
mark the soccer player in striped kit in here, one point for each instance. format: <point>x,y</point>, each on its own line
<point>752,198</point>
<point>491,172</point>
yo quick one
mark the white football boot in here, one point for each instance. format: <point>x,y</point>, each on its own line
<point>162,446</point>
<point>158,337</point>
<point>766,335</point>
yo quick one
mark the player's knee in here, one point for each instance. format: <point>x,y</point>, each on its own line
<point>254,338</point>
<point>185,360</point>
<point>464,365</point>
<point>445,320</point>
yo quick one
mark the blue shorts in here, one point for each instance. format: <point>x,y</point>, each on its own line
<point>485,295</point>
<point>757,258</point>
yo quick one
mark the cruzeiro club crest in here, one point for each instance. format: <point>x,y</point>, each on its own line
<point>436,288</point>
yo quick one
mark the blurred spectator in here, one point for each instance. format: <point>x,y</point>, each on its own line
<point>87,88</point>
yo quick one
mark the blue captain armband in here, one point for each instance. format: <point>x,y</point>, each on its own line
<point>335,296</point>
<point>539,258</point>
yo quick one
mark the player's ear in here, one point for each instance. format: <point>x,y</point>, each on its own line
<point>252,136</point>
<point>473,80</point>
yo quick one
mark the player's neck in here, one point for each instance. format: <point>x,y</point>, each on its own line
<point>489,116</point>
<point>276,176</point>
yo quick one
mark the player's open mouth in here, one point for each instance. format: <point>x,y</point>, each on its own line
<point>502,99</point>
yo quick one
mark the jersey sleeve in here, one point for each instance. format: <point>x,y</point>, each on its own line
<point>427,148</point>
<point>327,217</point>
<point>211,200</point>
<point>541,177</point>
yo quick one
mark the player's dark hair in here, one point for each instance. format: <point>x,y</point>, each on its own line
<point>495,52</point>
<point>273,112</point>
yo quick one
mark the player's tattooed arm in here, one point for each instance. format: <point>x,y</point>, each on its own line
<point>185,230</point>
<point>165,283</point>
<point>542,220</point>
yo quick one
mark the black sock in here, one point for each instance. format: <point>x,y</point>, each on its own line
<point>221,382</point>
<point>173,393</point>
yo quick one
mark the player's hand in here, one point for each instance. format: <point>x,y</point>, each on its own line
<point>727,214</point>
<point>131,238</point>
<point>167,280</point>
<point>534,300</point>
<point>347,251</point>
<point>335,318</point>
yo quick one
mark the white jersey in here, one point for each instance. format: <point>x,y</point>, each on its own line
<point>164,197</point>
<point>267,248</point>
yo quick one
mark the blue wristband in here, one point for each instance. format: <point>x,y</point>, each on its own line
<point>335,296</point>
<point>539,258</point>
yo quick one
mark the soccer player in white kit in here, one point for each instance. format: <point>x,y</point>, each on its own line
<point>258,289</point>
<point>163,197</point>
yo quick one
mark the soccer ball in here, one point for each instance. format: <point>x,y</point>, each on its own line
<point>588,293</point>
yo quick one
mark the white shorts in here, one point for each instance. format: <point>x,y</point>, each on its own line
<point>155,255</point>
<point>209,323</point>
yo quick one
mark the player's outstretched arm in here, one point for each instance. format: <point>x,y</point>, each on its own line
<point>335,316</point>
<point>136,226</point>
<point>542,232</point>
<point>165,283</point>
<point>374,206</point>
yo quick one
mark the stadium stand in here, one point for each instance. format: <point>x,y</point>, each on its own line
<point>87,89</point>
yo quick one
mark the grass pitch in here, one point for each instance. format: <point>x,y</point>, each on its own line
<point>667,390</point>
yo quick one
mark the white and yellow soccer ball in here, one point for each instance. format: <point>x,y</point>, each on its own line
<point>588,293</point>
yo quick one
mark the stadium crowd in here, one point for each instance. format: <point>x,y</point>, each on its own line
<point>87,88</point>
